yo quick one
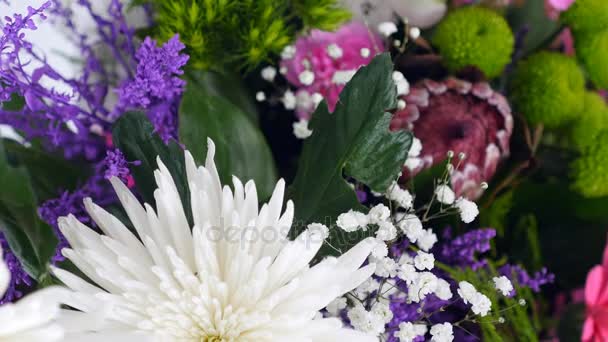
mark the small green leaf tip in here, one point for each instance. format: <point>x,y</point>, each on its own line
<point>590,171</point>
<point>475,36</point>
<point>593,120</point>
<point>548,88</point>
<point>592,53</point>
<point>587,15</point>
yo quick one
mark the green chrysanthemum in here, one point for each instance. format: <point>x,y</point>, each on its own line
<point>475,36</point>
<point>593,120</point>
<point>590,171</point>
<point>548,88</point>
<point>592,52</point>
<point>587,15</point>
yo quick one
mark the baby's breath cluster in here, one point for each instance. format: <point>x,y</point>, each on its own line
<point>222,33</point>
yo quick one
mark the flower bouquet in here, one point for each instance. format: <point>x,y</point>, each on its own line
<point>305,170</point>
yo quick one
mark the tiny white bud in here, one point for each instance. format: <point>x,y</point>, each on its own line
<point>306,77</point>
<point>501,320</point>
<point>260,96</point>
<point>334,51</point>
<point>397,43</point>
<point>401,105</point>
<point>283,70</point>
<point>484,185</point>
<point>288,52</point>
<point>450,154</point>
<point>462,155</point>
<point>269,73</point>
<point>365,52</point>
<point>449,167</point>
<point>522,302</point>
<point>414,33</point>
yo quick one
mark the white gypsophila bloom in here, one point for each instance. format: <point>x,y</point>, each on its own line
<point>442,332</point>
<point>383,310</point>
<point>320,228</point>
<point>426,240</point>
<point>334,51</point>
<point>289,100</point>
<point>411,226</point>
<point>316,99</point>
<point>416,148</point>
<point>342,77</point>
<point>269,73</point>
<point>380,249</point>
<point>306,77</point>
<point>403,86</point>
<point>260,96</point>
<point>365,52</point>
<point>413,163</point>
<point>387,28</point>
<point>352,221</point>
<point>443,290</point>
<point>385,267</point>
<point>414,33</point>
<point>481,304</point>
<point>222,279</point>
<point>368,286</point>
<point>301,130</point>
<point>466,291</point>
<point>424,261</point>
<point>288,52</point>
<point>32,318</point>
<point>425,284</point>
<point>336,306</point>
<point>366,321</point>
<point>408,331</point>
<point>407,273</point>
<point>386,231</point>
<point>503,285</point>
<point>468,209</point>
<point>400,196</point>
<point>445,194</point>
<point>379,213</point>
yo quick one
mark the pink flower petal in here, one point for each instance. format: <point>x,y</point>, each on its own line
<point>594,285</point>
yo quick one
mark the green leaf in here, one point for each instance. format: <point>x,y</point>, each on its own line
<point>49,173</point>
<point>531,16</point>
<point>353,139</point>
<point>16,103</point>
<point>242,150</point>
<point>32,241</point>
<point>134,135</point>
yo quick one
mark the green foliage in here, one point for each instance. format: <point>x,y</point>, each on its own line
<point>475,36</point>
<point>325,15</point>
<point>242,150</point>
<point>32,241</point>
<point>592,52</point>
<point>495,215</point>
<point>531,16</point>
<point>593,120</point>
<point>548,88</point>
<point>587,15</point>
<point>134,135</point>
<point>353,137</point>
<point>222,34</point>
<point>590,170</point>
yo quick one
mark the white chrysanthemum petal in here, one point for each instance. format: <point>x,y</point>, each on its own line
<point>234,276</point>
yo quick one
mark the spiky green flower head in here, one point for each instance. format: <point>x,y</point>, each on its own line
<point>592,52</point>
<point>586,15</point>
<point>593,120</point>
<point>227,34</point>
<point>548,88</point>
<point>590,171</point>
<point>475,36</point>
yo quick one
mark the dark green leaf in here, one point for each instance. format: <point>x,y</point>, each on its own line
<point>531,16</point>
<point>32,241</point>
<point>354,139</point>
<point>49,173</point>
<point>242,150</point>
<point>16,103</point>
<point>134,135</point>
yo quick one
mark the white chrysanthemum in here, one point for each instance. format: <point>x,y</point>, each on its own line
<point>233,277</point>
<point>34,317</point>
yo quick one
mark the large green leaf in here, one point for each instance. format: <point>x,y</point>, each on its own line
<point>49,173</point>
<point>32,241</point>
<point>134,135</point>
<point>355,140</point>
<point>531,16</point>
<point>242,150</point>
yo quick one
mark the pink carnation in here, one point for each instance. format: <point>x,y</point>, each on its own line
<point>462,117</point>
<point>331,57</point>
<point>595,328</point>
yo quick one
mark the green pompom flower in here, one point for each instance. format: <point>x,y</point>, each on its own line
<point>590,171</point>
<point>593,120</point>
<point>592,52</point>
<point>475,36</point>
<point>548,88</point>
<point>587,15</point>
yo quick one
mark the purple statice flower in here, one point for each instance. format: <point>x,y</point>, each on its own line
<point>157,86</point>
<point>462,250</point>
<point>73,203</point>
<point>116,165</point>
<point>19,278</point>
<point>519,275</point>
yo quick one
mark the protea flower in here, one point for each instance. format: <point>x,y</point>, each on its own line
<point>233,276</point>
<point>463,117</point>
